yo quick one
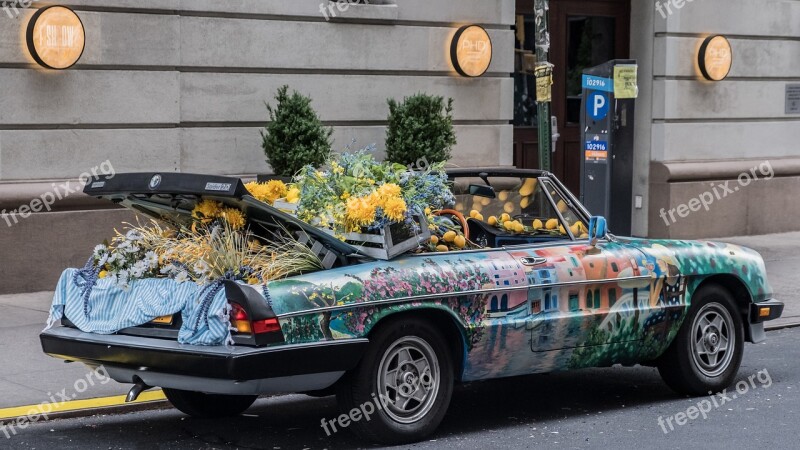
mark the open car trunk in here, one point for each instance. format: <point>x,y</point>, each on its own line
<point>171,197</point>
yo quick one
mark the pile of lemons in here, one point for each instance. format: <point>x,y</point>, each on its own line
<point>451,240</point>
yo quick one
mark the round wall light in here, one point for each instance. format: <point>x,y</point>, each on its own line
<point>471,51</point>
<point>715,58</point>
<point>56,37</point>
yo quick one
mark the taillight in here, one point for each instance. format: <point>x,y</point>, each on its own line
<point>239,319</point>
<point>243,325</point>
<point>266,326</point>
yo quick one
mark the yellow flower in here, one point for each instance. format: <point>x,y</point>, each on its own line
<point>234,217</point>
<point>268,192</point>
<point>389,190</point>
<point>293,195</point>
<point>345,196</point>
<point>207,209</point>
<point>360,212</point>
<point>395,208</point>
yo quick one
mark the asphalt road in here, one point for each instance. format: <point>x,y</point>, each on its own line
<point>597,408</point>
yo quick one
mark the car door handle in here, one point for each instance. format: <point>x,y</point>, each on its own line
<point>531,261</point>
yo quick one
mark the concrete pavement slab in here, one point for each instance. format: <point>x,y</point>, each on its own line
<point>26,374</point>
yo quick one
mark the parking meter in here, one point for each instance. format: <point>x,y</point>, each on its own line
<point>607,122</point>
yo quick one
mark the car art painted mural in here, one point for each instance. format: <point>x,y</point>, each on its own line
<point>569,307</point>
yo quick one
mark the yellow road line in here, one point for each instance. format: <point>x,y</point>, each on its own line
<point>77,405</point>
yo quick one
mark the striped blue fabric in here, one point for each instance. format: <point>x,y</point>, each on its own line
<point>111,308</point>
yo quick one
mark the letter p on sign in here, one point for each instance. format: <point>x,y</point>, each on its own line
<point>597,106</point>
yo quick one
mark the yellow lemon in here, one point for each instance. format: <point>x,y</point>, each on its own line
<point>473,213</point>
<point>493,221</point>
<point>504,218</point>
<point>460,241</point>
<point>508,225</point>
<point>524,202</point>
<point>435,240</point>
<point>442,248</point>
<point>551,224</point>
<point>537,224</point>
<point>503,196</point>
<point>519,228</point>
<point>486,201</point>
<point>528,187</point>
<point>459,206</point>
<point>479,217</point>
<point>102,274</point>
<point>584,236</point>
<point>509,207</point>
<point>561,229</point>
<point>562,206</point>
<point>450,236</point>
<point>477,207</point>
<point>575,228</point>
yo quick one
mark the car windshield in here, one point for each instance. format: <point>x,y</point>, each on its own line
<point>502,211</point>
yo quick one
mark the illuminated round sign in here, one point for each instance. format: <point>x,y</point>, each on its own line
<point>56,37</point>
<point>471,51</point>
<point>715,58</point>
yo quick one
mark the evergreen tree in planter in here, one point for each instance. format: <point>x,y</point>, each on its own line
<point>420,127</point>
<point>295,136</point>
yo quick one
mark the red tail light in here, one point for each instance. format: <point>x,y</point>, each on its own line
<point>266,326</point>
<point>239,319</point>
<point>241,322</point>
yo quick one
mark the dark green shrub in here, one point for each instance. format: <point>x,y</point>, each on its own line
<point>295,136</point>
<point>420,127</point>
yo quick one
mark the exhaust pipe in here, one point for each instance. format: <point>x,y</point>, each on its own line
<point>136,390</point>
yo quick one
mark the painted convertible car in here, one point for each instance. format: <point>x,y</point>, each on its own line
<point>400,333</point>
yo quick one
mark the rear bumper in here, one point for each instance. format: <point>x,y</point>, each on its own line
<point>126,357</point>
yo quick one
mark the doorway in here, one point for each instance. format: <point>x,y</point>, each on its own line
<point>583,33</point>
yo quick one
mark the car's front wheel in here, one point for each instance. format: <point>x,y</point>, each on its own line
<point>401,389</point>
<point>707,352</point>
<point>208,406</point>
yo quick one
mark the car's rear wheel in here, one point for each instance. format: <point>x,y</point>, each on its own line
<point>707,351</point>
<point>209,406</point>
<point>401,389</point>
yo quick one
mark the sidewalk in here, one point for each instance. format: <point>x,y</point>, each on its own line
<point>29,377</point>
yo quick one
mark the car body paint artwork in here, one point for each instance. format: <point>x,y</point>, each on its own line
<point>622,301</point>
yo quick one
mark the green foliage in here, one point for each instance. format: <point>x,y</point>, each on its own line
<point>294,136</point>
<point>420,127</point>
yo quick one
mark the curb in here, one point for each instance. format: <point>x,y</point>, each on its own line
<point>783,326</point>
<point>82,408</point>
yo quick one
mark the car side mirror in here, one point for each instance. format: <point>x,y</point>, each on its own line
<point>598,228</point>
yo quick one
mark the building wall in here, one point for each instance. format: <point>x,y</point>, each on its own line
<point>700,135</point>
<point>180,85</point>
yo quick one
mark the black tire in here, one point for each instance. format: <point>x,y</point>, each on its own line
<point>713,319</point>
<point>209,406</point>
<point>390,424</point>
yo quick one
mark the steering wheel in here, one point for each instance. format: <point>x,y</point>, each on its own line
<point>457,215</point>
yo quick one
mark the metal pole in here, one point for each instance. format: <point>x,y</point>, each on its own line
<point>542,8</point>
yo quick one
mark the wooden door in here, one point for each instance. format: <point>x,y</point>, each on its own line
<point>583,33</point>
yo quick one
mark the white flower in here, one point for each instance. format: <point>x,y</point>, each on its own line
<point>139,269</point>
<point>100,250</point>
<point>123,245</point>
<point>112,258</point>
<point>133,235</point>
<point>201,268</point>
<point>182,277</point>
<point>132,249</point>
<point>151,259</point>
<point>103,260</point>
